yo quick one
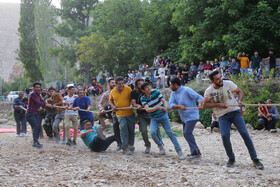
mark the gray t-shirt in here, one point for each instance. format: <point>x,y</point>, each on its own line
<point>222,95</point>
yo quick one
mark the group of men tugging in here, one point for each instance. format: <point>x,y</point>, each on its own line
<point>151,110</point>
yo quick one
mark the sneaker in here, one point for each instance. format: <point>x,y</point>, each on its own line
<point>57,139</point>
<point>181,155</point>
<point>161,150</point>
<point>127,151</point>
<point>258,164</point>
<point>100,134</point>
<point>64,141</point>
<point>230,162</point>
<point>193,157</point>
<point>74,143</point>
<point>131,148</point>
<point>148,149</point>
<point>69,142</point>
<point>118,148</point>
<point>37,144</point>
<point>24,134</point>
<point>17,135</point>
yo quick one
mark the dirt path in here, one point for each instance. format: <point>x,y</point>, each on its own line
<point>60,165</point>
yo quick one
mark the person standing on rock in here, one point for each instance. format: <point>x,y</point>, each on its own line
<point>34,103</point>
<point>218,96</point>
<point>105,101</point>
<point>143,117</point>
<point>94,138</point>
<point>120,97</point>
<point>154,103</point>
<point>19,115</point>
<point>182,97</point>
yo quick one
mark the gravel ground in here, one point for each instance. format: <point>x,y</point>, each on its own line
<point>61,165</point>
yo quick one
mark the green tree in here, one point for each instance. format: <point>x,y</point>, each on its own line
<point>27,53</point>
<point>75,21</point>
<point>211,29</point>
<point>43,26</point>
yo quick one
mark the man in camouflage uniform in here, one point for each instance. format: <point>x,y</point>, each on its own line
<point>49,119</point>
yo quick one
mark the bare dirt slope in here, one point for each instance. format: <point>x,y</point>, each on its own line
<point>59,165</point>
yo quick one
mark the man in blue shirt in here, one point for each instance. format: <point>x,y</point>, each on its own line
<point>193,70</point>
<point>154,103</point>
<point>83,102</point>
<point>224,64</point>
<point>235,68</point>
<point>183,97</point>
<point>94,138</point>
<point>19,114</point>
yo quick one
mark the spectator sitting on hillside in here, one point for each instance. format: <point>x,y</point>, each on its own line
<point>227,76</point>
<point>159,83</point>
<point>234,67</point>
<point>201,68</point>
<point>137,74</point>
<point>130,83</point>
<point>215,122</point>
<point>216,64</point>
<point>156,62</point>
<point>147,74</point>
<point>208,66</point>
<point>268,120</point>
<point>193,69</point>
<point>224,63</point>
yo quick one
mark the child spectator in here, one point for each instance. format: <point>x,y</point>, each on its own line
<point>263,111</point>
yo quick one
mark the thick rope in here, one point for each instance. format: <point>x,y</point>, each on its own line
<point>187,108</point>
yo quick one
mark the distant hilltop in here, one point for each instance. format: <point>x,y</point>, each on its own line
<point>9,40</point>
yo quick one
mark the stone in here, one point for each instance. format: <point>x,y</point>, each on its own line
<point>233,127</point>
<point>3,121</point>
<point>199,125</point>
<point>183,179</point>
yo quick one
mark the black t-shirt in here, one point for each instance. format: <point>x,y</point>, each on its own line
<point>185,69</point>
<point>172,68</point>
<point>179,70</point>
<point>136,95</point>
<point>27,91</point>
<point>272,61</point>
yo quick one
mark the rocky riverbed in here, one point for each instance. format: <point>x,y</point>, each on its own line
<point>61,165</point>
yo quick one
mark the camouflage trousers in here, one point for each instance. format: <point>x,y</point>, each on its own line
<point>48,125</point>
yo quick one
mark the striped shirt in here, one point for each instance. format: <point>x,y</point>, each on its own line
<point>34,103</point>
<point>153,101</point>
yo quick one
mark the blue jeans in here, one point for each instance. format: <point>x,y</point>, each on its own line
<point>165,123</point>
<point>34,122</point>
<point>244,71</point>
<point>127,127</point>
<point>116,127</point>
<point>188,134</point>
<point>82,123</point>
<point>225,122</point>
<point>267,125</point>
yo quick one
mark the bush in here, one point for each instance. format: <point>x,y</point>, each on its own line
<point>174,116</point>
<point>205,117</point>
<point>254,92</point>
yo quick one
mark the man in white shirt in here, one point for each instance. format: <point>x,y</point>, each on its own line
<point>70,115</point>
<point>218,96</point>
